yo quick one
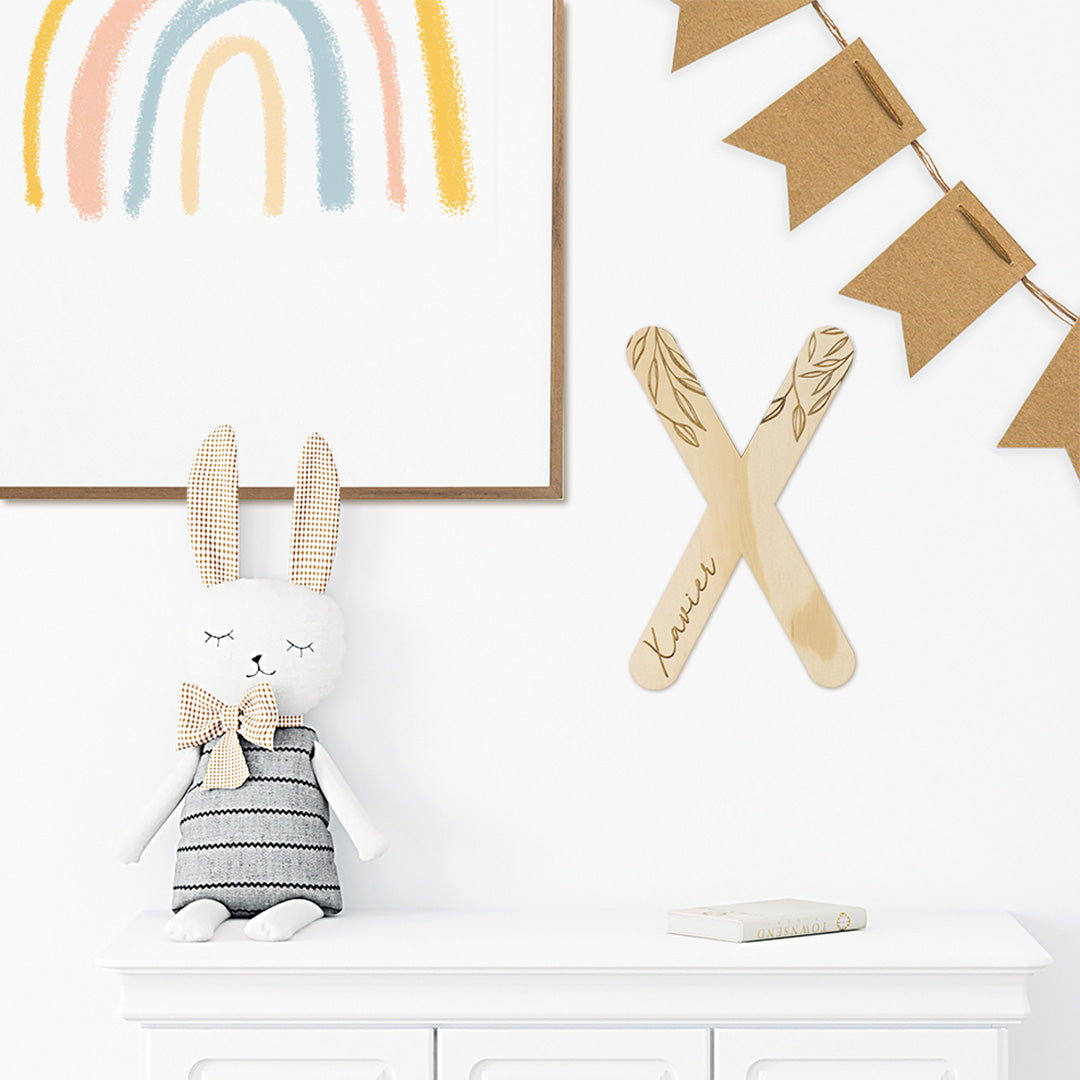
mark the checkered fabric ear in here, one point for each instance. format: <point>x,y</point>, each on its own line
<point>316,514</point>
<point>213,512</point>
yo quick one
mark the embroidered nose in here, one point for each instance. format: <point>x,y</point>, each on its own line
<point>257,657</point>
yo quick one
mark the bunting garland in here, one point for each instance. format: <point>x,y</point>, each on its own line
<point>833,129</point>
<point>945,272</point>
<point>953,264</point>
<point>1050,417</point>
<point>705,26</point>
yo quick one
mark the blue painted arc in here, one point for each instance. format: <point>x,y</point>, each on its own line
<point>334,134</point>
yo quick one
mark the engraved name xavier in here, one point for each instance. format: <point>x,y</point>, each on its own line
<point>685,617</point>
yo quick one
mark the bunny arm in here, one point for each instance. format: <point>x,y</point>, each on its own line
<point>144,826</point>
<point>370,843</point>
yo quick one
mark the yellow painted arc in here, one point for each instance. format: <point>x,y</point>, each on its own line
<point>446,96</point>
<point>273,102</point>
<point>35,96</point>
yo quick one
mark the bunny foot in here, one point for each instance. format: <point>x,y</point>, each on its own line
<point>197,921</point>
<point>280,922</point>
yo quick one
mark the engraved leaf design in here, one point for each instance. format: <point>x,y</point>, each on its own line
<point>693,386</point>
<point>687,378</point>
<point>830,371</point>
<point>682,373</point>
<point>780,403</point>
<point>654,380</point>
<point>798,422</point>
<point>669,381</point>
<point>811,347</point>
<point>775,409</point>
<point>687,434</point>
<point>678,359</point>
<point>687,408</point>
<point>684,431</point>
<point>837,347</point>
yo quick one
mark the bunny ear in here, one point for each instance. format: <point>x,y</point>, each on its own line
<point>316,514</point>
<point>213,516</point>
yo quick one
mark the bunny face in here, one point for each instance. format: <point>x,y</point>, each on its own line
<point>250,630</point>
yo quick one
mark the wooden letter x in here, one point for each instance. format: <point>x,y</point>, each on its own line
<point>741,520</point>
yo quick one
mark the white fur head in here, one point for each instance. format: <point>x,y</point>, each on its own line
<point>255,630</point>
<point>243,631</point>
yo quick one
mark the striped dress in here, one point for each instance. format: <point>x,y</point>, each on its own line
<point>261,843</point>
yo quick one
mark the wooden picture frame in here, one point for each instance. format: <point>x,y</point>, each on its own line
<point>552,489</point>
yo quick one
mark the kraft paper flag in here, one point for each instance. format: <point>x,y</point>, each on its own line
<point>833,129</point>
<point>708,25</point>
<point>948,269</point>
<point>1050,417</point>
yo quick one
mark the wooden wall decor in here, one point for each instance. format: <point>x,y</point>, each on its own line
<point>741,521</point>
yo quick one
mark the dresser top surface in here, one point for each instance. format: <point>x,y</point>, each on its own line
<point>537,941</point>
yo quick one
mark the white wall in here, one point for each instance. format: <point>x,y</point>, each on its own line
<point>488,718</point>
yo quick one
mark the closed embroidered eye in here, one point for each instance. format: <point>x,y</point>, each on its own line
<point>217,639</point>
<point>301,649</point>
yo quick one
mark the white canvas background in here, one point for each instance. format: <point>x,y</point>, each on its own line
<point>487,717</point>
<point>390,332</point>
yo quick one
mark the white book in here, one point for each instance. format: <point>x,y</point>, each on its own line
<point>765,919</point>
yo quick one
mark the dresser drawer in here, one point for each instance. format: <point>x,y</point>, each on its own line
<point>580,1054</point>
<point>838,1054</point>
<point>287,1054</point>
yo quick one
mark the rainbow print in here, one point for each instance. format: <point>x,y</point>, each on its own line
<point>91,107</point>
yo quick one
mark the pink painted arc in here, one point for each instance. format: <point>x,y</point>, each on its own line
<point>88,120</point>
<point>386,56</point>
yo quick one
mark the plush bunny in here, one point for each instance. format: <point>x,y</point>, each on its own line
<point>255,783</point>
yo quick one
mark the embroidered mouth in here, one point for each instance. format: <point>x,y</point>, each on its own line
<point>259,671</point>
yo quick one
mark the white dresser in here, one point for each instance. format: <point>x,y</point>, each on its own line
<point>577,996</point>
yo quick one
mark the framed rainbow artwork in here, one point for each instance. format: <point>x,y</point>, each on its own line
<point>290,215</point>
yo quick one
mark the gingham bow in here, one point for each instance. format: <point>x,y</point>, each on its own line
<point>203,717</point>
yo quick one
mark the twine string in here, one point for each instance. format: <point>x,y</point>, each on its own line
<point>833,28</point>
<point>872,85</point>
<point>931,166</point>
<point>995,245</point>
<point>1055,307</point>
